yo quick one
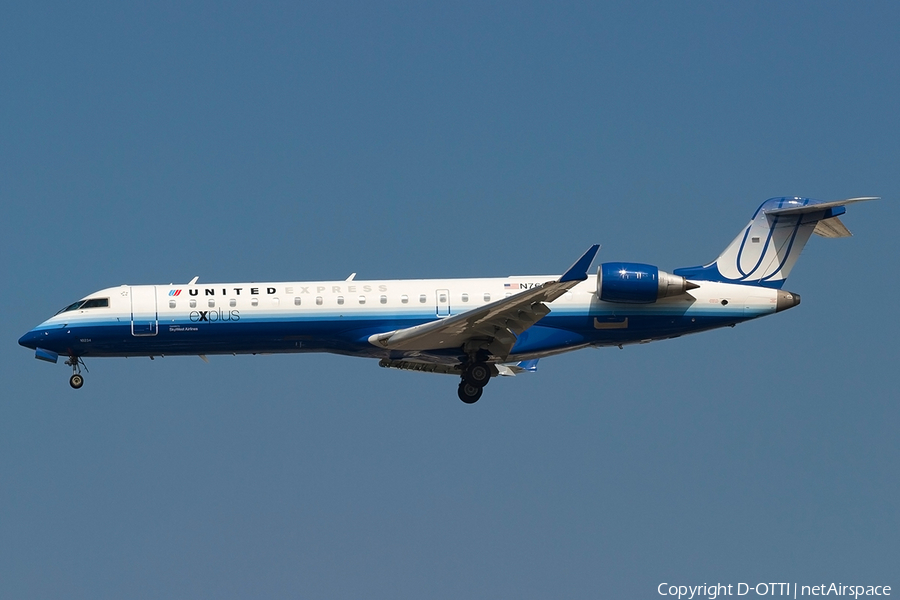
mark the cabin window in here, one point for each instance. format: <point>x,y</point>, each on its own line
<point>254,301</point>
<point>383,299</point>
<point>404,299</point>
<point>171,304</point>
<point>507,294</point>
<point>487,297</point>
<point>442,297</point>
<point>319,300</point>
<point>211,303</point>
<point>362,299</point>
<point>232,303</point>
<point>423,298</point>
<point>193,303</point>
<point>465,297</point>
<point>274,301</point>
<point>296,300</point>
<point>340,299</point>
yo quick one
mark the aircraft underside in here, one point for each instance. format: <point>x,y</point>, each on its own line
<point>552,337</point>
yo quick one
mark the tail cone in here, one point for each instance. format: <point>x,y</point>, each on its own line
<point>786,300</point>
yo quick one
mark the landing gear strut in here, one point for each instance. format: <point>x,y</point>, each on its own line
<point>475,376</point>
<point>76,380</point>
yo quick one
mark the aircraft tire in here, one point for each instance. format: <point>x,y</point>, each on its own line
<point>477,374</point>
<point>76,381</point>
<point>469,393</point>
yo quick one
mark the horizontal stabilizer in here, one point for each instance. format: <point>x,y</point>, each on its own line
<point>832,228</point>
<point>817,206</point>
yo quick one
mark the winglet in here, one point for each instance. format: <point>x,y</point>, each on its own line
<point>578,271</point>
<point>528,365</point>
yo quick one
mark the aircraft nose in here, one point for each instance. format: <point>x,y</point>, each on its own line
<point>29,340</point>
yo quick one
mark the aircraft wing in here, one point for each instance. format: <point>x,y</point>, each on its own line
<point>494,326</point>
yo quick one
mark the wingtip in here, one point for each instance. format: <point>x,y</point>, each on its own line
<point>578,271</point>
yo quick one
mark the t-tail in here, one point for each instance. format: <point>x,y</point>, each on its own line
<point>765,251</point>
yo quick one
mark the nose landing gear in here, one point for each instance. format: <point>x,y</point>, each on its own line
<point>76,380</point>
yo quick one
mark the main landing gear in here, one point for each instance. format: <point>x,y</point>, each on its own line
<point>474,377</point>
<point>76,380</point>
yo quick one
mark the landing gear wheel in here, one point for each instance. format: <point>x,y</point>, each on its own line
<point>469,393</point>
<point>477,374</point>
<point>76,381</point>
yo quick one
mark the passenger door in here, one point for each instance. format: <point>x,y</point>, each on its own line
<point>144,319</point>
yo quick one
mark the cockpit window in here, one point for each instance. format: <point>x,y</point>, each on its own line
<point>95,303</point>
<point>89,303</point>
<point>72,306</point>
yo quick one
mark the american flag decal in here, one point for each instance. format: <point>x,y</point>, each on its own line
<point>510,286</point>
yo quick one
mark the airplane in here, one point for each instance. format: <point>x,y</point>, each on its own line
<point>475,329</point>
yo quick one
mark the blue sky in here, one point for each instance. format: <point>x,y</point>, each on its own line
<point>285,141</point>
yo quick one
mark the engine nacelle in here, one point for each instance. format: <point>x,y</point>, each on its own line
<point>636,283</point>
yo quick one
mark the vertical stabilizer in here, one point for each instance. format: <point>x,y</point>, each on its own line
<point>765,251</point>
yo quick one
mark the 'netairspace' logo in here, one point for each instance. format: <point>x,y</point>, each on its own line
<point>771,589</point>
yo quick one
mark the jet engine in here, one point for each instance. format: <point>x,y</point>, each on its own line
<point>636,283</point>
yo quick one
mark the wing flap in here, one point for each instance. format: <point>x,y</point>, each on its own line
<point>420,366</point>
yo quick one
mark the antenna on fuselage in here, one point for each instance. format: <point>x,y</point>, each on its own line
<point>194,280</point>
<point>352,275</point>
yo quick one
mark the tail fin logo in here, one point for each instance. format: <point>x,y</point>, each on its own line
<point>766,250</point>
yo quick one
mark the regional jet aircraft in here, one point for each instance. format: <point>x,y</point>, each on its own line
<point>475,329</point>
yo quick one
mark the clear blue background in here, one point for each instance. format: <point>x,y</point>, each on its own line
<point>297,141</point>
